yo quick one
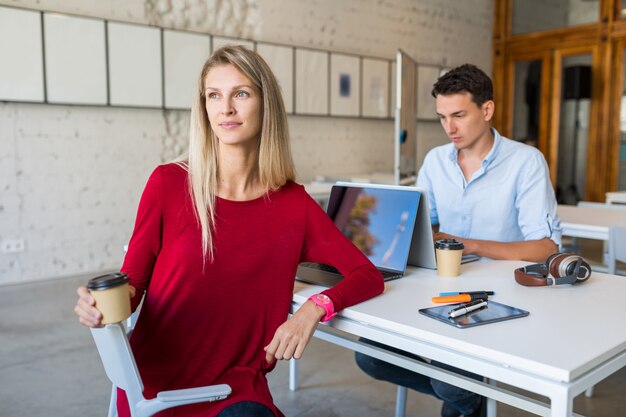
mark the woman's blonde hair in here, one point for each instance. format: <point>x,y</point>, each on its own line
<point>275,165</point>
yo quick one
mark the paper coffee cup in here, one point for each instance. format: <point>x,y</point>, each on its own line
<point>449,253</point>
<point>112,297</point>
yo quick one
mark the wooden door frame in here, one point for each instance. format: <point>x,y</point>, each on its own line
<point>557,57</point>
<point>605,40</point>
<point>506,120</point>
<point>617,90</point>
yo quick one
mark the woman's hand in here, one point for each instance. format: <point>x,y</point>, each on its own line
<point>293,335</point>
<point>88,314</point>
<point>85,309</point>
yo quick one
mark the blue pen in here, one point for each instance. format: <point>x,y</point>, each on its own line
<point>443,294</point>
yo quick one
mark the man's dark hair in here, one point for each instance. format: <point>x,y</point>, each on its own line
<point>466,78</point>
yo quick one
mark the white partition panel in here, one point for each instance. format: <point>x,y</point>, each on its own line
<point>311,82</point>
<point>345,85</point>
<point>219,41</point>
<point>135,76</point>
<point>21,71</point>
<point>280,60</point>
<point>184,54</point>
<point>75,59</point>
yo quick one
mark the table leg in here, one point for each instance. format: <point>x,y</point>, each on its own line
<point>492,405</point>
<point>293,374</point>
<point>401,401</point>
<point>562,406</point>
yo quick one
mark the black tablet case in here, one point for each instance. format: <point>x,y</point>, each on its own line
<point>492,313</point>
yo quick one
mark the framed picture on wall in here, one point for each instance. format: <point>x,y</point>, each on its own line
<point>219,41</point>
<point>75,59</point>
<point>345,87</point>
<point>21,72</point>
<point>311,82</point>
<point>183,56</point>
<point>426,77</point>
<point>375,88</point>
<point>280,60</point>
<point>135,65</point>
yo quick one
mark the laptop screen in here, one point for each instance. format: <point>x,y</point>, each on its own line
<point>378,220</point>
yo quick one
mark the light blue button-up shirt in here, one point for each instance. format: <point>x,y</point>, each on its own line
<point>509,199</point>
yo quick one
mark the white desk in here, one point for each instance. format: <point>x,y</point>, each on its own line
<point>616,197</point>
<point>590,222</point>
<point>557,351</point>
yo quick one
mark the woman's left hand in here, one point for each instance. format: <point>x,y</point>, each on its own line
<point>293,335</point>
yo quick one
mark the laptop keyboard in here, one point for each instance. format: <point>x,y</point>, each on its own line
<point>323,267</point>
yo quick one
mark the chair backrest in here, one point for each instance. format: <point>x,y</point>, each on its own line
<point>617,247</point>
<point>118,360</point>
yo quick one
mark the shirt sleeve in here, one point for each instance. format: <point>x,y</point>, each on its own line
<point>536,202</point>
<point>145,242</point>
<point>325,243</point>
<point>424,181</point>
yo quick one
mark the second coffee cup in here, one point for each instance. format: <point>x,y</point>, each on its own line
<point>112,297</point>
<point>449,253</point>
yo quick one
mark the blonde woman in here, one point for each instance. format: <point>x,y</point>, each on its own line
<point>217,241</point>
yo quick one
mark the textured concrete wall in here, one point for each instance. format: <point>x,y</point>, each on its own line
<point>71,176</point>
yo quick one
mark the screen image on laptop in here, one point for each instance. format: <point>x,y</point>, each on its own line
<point>378,219</point>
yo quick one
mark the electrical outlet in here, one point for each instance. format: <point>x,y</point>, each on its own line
<point>12,246</point>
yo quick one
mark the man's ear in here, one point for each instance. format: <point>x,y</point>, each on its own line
<point>488,108</point>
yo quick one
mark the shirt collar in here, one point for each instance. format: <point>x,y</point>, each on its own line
<point>495,149</point>
<point>493,153</point>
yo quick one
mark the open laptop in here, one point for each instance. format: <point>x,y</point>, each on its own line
<point>422,251</point>
<point>380,220</point>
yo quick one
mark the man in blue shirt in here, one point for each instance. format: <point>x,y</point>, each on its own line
<point>487,191</point>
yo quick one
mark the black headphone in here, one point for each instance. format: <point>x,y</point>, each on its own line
<point>564,268</point>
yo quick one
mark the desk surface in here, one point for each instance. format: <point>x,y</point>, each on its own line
<point>570,329</point>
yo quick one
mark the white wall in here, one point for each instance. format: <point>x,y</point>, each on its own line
<point>71,176</point>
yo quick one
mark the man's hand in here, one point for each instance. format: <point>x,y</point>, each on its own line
<point>530,250</point>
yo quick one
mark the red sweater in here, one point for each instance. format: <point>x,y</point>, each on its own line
<point>203,325</point>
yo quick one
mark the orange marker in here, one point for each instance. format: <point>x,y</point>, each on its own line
<point>460,298</point>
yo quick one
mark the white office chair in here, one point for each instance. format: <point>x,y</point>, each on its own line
<point>617,247</point>
<point>120,367</point>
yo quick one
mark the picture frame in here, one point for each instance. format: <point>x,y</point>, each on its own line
<point>345,88</point>
<point>21,72</point>
<point>70,80</point>
<point>426,104</point>
<point>375,88</point>
<point>280,60</point>
<point>311,82</point>
<point>135,70</point>
<point>184,54</point>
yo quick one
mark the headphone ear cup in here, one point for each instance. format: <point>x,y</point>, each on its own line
<point>554,263</point>
<point>584,271</point>
<point>551,257</point>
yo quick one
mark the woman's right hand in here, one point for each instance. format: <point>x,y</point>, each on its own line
<point>88,314</point>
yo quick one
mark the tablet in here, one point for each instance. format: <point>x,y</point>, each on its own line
<point>491,313</point>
